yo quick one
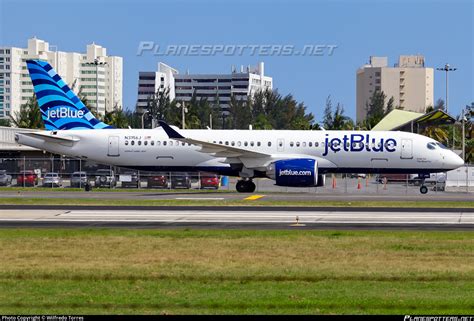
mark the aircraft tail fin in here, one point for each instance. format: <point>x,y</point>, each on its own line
<point>61,109</point>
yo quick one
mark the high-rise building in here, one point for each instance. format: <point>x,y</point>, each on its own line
<point>98,76</point>
<point>241,84</point>
<point>409,82</point>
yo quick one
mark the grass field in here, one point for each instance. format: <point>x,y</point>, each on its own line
<point>79,271</point>
<point>230,202</point>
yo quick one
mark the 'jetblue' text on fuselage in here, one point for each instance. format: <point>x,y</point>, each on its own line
<point>358,143</point>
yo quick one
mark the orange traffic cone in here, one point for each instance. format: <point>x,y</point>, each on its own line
<point>359,185</point>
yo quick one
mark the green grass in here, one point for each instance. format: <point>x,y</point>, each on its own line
<point>230,202</point>
<point>80,271</point>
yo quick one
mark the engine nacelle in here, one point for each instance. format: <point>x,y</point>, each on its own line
<point>321,180</point>
<point>300,172</point>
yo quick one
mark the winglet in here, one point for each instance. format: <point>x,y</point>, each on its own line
<point>170,131</point>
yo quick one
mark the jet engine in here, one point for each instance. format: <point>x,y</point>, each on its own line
<point>300,172</point>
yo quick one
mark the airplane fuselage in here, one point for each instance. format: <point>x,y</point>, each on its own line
<point>335,151</point>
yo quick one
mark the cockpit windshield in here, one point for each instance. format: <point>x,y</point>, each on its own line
<point>434,145</point>
<point>442,146</point>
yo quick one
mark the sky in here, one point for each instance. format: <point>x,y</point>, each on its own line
<point>442,31</point>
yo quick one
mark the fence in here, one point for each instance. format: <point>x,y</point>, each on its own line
<point>26,172</point>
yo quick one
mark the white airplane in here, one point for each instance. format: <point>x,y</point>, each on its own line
<point>294,158</point>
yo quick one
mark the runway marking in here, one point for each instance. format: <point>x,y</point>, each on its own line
<point>200,198</point>
<point>253,197</point>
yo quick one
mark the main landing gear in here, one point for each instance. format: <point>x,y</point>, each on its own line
<point>245,186</point>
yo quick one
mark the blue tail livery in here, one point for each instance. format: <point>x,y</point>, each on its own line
<point>61,109</point>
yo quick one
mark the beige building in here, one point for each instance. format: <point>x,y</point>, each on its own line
<point>98,76</point>
<point>409,82</point>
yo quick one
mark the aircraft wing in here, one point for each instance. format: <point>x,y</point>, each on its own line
<point>216,150</point>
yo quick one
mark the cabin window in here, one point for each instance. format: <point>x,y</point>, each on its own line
<point>304,144</point>
<point>316,144</point>
<point>158,143</point>
<point>132,142</point>
<point>297,144</point>
<point>220,143</point>
<point>251,144</point>
<point>246,144</point>
<point>279,144</point>
<point>183,144</point>
<point>152,143</point>
<point>164,143</point>
<point>227,143</point>
<point>258,144</point>
<point>239,143</point>
<point>291,144</point>
<point>126,142</point>
<point>145,143</point>
<point>139,142</point>
<point>232,143</point>
<point>214,142</point>
<point>310,144</point>
<point>269,144</point>
<point>171,143</point>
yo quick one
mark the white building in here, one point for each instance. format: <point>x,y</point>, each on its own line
<point>210,86</point>
<point>98,76</point>
<point>409,82</point>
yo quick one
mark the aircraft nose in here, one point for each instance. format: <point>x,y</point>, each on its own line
<point>454,161</point>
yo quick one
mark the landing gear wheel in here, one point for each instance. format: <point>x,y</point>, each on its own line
<point>250,187</point>
<point>245,186</point>
<point>423,189</point>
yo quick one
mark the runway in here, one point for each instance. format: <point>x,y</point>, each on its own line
<point>239,218</point>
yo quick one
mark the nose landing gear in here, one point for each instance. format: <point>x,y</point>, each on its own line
<point>423,188</point>
<point>245,186</point>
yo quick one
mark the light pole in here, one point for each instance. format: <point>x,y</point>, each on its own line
<point>143,115</point>
<point>447,69</point>
<point>184,110</point>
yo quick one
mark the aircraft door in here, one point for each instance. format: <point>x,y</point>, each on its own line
<point>280,144</point>
<point>113,146</point>
<point>407,149</point>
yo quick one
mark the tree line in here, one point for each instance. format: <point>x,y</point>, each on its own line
<point>263,110</point>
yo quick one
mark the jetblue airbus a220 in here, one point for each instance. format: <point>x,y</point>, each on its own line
<point>292,158</point>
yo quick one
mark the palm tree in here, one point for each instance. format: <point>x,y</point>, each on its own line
<point>29,115</point>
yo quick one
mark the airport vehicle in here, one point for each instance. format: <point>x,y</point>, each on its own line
<point>105,178</point>
<point>210,181</point>
<point>79,179</point>
<point>27,178</point>
<point>180,180</point>
<point>5,179</point>
<point>130,179</point>
<point>52,180</point>
<point>292,158</point>
<point>157,181</point>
